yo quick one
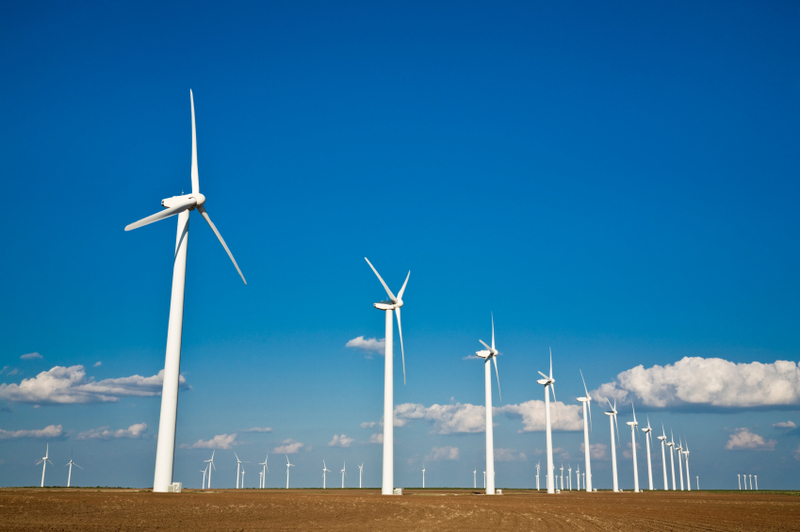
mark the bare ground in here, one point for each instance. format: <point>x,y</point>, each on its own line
<point>418,510</point>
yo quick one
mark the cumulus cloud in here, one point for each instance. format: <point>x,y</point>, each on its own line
<point>340,441</point>
<point>442,453</point>
<point>368,345</point>
<point>596,450</point>
<point>508,455</point>
<point>447,419</point>
<point>50,431</point>
<point>376,438</point>
<point>289,447</point>
<point>30,356</point>
<point>744,440</point>
<point>714,382</point>
<point>368,424</point>
<point>562,417</point>
<point>258,429</point>
<point>69,385</point>
<point>97,364</point>
<point>220,441</point>
<point>133,432</point>
<point>785,425</point>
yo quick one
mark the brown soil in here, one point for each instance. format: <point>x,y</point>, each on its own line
<point>416,510</point>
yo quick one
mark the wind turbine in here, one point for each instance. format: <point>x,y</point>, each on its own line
<point>756,477</point>
<point>288,465</point>
<point>739,476</point>
<point>537,476</point>
<point>238,468</point>
<point>562,476</point>
<point>663,439</point>
<point>679,448</point>
<point>475,479</point>
<point>484,480</point>
<point>360,470</point>
<point>634,427</point>
<point>243,478</point>
<point>569,477</point>
<point>489,354</point>
<point>180,205</point>
<point>210,467</point>
<point>423,476</point>
<point>549,382</point>
<point>394,304</point>
<point>688,476</point>
<point>587,405</point>
<point>578,476</point>
<point>324,470</point>
<point>204,472</point>
<point>612,419</point>
<point>43,461</point>
<point>344,473</point>
<point>671,445</point>
<point>751,481</point>
<point>264,471</point>
<point>70,464</point>
<point>648,435</point>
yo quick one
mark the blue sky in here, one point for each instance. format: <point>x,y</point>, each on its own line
<point>617,182</point>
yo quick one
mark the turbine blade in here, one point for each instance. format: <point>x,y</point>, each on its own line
<point>391,295</point>
<point>402,349</point>
<point>166,213</point>
<point>553,389</point>
<point>400,294</point>
<point>484,345</point>
<point>551,362</point>
<point>202,210</point>
<point>76,465</point>
<point>497,373</point>
<point>616,425</point>
<point>542,374</point>
<point>584,384</point>
<point>237,456</point>
<point>493,331</point>
<point>634,412</point>
<point>590,415</point>
<point>195,177</point>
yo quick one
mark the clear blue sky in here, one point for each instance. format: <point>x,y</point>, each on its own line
<point>616,181</point>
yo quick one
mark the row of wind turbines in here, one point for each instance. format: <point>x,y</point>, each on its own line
<point>46,460</point>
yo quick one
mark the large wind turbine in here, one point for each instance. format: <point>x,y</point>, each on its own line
<point>264,471</point>
<point>671,445</point>
<point>210,467</point>
<point>44,460</point>
<point>648,435</point>
<point>288,465</point>
<point>686,459</point>
<point>612,419</point>
<point>634,427</point>
<point>663,439</point>
<point>549,382</point>
<point>679,448</point>
<point>324,470</point>
<point>587,405</point>
<point>72,463</point>
<point>489,354</point>
<point>394,304</point>
<point>180,205</point>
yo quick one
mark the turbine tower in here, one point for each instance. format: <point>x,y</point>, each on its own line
<point>360,470</point>
<point>423,476</point>
<point>344,473</point>
<point>180,205</point>
<point>548,382</point>
<point>587,405</point>
<point>264,471</point>
<point>569,477</point>
<point>688,476</point>
<point>489,354</point>
<point>475,479</point>
<point>72,463</point>
<point>394,304</point>
<point>210,467</point>
<point>739,476</point>
<point>537,476</point>
<point>43,461</point>
<point>663,439</point>
<point>562,476</point>
<point>679,448</point>
<point>288,465</point>
<point>578,476</point>
<point>612,419</point>
<point>671,445</point>
<point>634,425</point>
<point>204,472</point>
<point>648,435</point>
<point>324,470</point>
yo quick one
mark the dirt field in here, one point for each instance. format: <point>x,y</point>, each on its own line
<point>417,510</point>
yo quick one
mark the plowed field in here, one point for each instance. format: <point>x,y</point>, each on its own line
<point>416,510</point>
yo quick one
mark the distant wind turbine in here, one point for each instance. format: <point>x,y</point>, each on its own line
<point>264,471</point>
<point>210,467</point>
<point>686,460</point>
<point>562,476</point>
<point>739,476</point>
<point>324,470</point>
<point>648,435</point>
<point>578,476</point>
<point>586,400</point>
<point>238,468</point>
<point>344,473</point>
<point>569,477</point>
<point>242,477</point>
<point>634,428</point>
<point>671,445</point>
<point>69,475</point>
<point>423,476</point>
<point>489,354</point>
<point>679,448</point>
<point>288,465</point>
<point>360,470</point>
<point>475,479</point>
<point>663,439</point>
<point>537,476</point>
<point>549,382</point>
<point>43,461</point>
<point>756,477</point>
<point>612,419</point>
<point>394,304</point>
<point>180,205</point>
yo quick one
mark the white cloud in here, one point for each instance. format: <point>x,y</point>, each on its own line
<point>596,450</point>
<point>220,441</point>
<point>708,381</point>
<point>8,370</point>
<point>50,431</point>
<point>289,447</point>
<point>133,432</point>
<point>442,453</point>
<point>258,429</point>
<point>376,438</point>
<point>340,441</point>
<point>447,419</point>
<point>368,345</point>
<point>508,455</point>
<point>562,417</point>
<point>30,356</point>
<point>97,364</point>
<point>368,424</point>
<point>785,425</point>
<point>744,440</point>
<point>69,385</point>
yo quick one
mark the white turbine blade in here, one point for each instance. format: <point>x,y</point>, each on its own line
<point>391,295</point>
<point>202,210</point>
<point>76,465</point>
<point>487,347</point>
<point>166,213</point>
<point>40,461</point>
<point>634,412</point>
<point>287,459</point>
<point>400,294</point>
<point>551,362</point>
<point>402,349</point>
<point>493,332</point>
<point>553,389</point>
<point>616,425</point>
<point>542,374</point>
<point>584,384</point>
<point>237,456</point>
<point>497,374</point>
<point>195,177</point>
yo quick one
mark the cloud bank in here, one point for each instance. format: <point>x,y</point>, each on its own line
<point>220,441</point>
<point>133,432</point>
<point>50,431</point>
<point>69,385</point>
<point>713,382</point>
<point>744,440</point>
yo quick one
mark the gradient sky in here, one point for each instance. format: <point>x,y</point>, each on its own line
<point>616,181</point>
